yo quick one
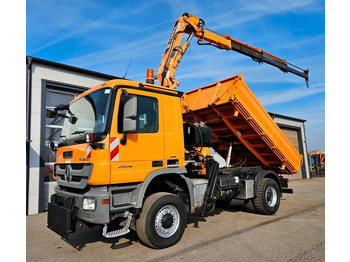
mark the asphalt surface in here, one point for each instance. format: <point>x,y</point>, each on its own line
<point>295,233</point>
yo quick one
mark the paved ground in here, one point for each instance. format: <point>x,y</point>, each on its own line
<point>295,233</point>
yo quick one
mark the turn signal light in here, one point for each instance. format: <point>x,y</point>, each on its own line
<point>105,201</point>
<point>89,137</point>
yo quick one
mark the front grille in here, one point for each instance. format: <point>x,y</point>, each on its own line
<point>74,178</point>
<point>74,166</point>
<point>79,175</point>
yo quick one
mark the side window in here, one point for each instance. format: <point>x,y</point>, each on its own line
<point>147,115</point>
<point>147,119</point>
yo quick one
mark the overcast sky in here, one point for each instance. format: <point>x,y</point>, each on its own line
<point>105,35</point>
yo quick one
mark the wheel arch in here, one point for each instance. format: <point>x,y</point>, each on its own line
<point>153,184</point>
<point>266,174</point>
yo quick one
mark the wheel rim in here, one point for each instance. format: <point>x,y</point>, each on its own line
<point>167,221</point>
<point>271,196</point>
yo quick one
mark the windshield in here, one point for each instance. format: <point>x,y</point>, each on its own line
<point>91,113</point>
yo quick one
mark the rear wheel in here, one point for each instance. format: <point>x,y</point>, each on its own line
<point>249,205</point>
<point>162,220</point>
<point>268,199</point>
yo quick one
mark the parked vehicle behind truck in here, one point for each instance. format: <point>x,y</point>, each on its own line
<point>317,160</point>
<point>135,156</point>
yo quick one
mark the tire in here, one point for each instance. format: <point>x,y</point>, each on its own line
<point>249,205</point>
<point>268,199</point>
<point>162,220</point>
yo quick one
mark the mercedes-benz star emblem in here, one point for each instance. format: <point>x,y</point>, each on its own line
<point>67,173</point>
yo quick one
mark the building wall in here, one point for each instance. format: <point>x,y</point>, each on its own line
<point>292,135</point>
<point>40,72</point>
<point>294,129</point>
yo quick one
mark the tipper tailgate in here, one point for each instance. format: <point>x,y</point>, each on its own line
<point>236,116</point>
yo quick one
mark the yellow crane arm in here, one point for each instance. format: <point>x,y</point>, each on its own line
<point>195,27</point>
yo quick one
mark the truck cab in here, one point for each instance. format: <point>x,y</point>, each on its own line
<point>114,137</point>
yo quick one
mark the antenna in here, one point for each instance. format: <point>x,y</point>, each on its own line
<point>127,69</point>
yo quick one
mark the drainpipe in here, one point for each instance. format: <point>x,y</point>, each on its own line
<point>306,156</point>
<point>28,122</point>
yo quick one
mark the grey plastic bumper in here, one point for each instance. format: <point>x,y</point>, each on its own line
<point>101,213</point>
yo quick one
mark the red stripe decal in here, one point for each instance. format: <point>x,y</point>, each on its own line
<point>114,149</point>
<point>114,152</point>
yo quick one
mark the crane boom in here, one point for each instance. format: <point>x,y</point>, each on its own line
<point>195,27</point>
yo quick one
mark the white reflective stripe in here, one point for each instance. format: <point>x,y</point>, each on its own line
<point>88,151</point>
<point>114,149</point>
<point>114,144</point>
<point>115,158</point>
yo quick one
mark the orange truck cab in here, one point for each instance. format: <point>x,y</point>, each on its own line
<point>127,161</point>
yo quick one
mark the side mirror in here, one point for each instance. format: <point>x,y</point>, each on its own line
<point>51,112</point>
<point>130,112</point>
<point>51,145</point>
<point>72,119</point>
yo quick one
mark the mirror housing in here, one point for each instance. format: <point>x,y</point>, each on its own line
<point>73,119</point>
<point>51,112</point>
<point>130,112</point>
<point>51,145</point>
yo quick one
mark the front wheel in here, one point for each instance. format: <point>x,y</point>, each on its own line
<point>267,201</point>
<point>162,220</point>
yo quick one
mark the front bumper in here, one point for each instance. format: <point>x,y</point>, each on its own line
<point>65,210</point>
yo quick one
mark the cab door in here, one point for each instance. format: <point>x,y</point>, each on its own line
<point>143,151</point>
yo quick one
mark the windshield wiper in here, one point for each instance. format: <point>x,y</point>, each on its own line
<point>64,141</point>
<point>82,135</point>
<point>79,132</point>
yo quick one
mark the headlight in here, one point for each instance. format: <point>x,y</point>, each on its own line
<point>89,204</point>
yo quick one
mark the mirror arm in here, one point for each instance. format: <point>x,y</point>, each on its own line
<point>51,146</point>
<point>123,140</point>
<point>63,116</point>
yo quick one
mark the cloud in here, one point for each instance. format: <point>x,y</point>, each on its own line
<point>62,26</point>
<point>115,59</point>
<point>259,9</point>
<point>85,28</point>
<point>289,95</point>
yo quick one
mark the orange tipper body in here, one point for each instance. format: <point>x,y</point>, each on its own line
<point>233,112</point>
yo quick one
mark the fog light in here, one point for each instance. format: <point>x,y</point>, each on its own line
<point>89,204</point>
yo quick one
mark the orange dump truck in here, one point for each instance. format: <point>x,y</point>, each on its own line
<point>135,156</point>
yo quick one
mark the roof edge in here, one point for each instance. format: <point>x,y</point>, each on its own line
<point>273,115</point>
<point>69,67</point>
